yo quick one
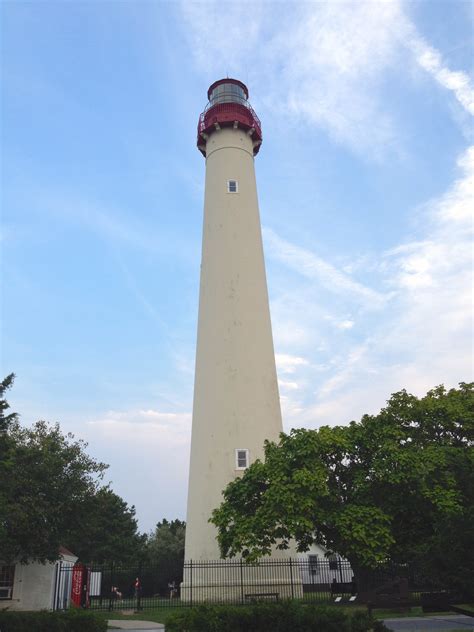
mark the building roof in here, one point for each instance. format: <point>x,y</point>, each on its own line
<point>64,551</point>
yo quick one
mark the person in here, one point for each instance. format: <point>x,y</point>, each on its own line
<point>172,588</point>
<point>137,587</point>
<point>353,586</point>
<point>113,596</point>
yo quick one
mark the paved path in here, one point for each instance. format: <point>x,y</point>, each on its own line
<point>431,624</point>
<point>135,626</point>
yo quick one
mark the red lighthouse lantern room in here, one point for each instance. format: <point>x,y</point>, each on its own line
<point>228,107</point>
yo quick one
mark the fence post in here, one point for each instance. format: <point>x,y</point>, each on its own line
<point>291,579</point>
<point>56,591</point>
<point>191,581</point>
<point>241,582</point>
<point>140,587</point>
<point>111,584</point>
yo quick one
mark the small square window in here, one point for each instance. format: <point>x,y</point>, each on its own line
<point>7,574</point>
<point>313,564</point>
<point>333,562</point>
<point>241,459</point>
<point>232,186</point>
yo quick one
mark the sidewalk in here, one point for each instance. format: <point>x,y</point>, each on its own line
<point>431,624</point>
<point>134,626</point>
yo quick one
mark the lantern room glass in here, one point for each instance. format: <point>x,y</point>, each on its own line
<point>228,93</point>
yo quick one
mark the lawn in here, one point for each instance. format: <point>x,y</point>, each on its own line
<point>161,615</point>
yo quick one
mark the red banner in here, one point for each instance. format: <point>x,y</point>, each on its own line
<point>77,584</point>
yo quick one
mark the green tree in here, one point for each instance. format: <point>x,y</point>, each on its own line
<point>8,421</point>
<point>107,530</point>
<point>165,551</point>
<point>396,486</point>
<point>51,479</point>
<point>165,545</point>
<point>51,494</point>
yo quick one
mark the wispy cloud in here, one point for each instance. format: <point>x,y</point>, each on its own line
<point>327,57</point>
<point>325,62</point>
<point>431,60</point>
<point>314,267</point>
<point>423,337</point>
<point>169,429</point>
<point>288,363</point>
<point>147,449</point>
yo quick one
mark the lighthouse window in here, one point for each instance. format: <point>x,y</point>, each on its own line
<point>241,459</point>
<point>232,186</point>
<point>228,93</point>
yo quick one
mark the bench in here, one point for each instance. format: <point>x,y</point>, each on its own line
<point>391,604</point>
<point>343,588</point>
<point>262,596</point>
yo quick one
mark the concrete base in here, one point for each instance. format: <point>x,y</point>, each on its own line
<point>240,584</point>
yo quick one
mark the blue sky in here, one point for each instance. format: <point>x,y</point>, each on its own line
<point>365,187</point>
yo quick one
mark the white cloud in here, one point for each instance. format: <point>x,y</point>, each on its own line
<point>314,267</point>
<point>423,337</point>
<point>287,385</point>
<point>431,60</point>
<point>288,363</point>
<point>345,324</point>
<point>324,62</point>
<point>145,426</point>
<point>321,62</point>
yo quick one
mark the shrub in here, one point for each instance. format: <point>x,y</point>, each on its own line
<point>362,621</point>
<point>70,621</point>
<point>271,617</point>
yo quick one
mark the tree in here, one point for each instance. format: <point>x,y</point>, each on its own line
<point>7,422</point>
<point>51,494</point>
<point>107,530</point>
<point>165,551</point>
<point>396,486</point>
<point>166,543</point>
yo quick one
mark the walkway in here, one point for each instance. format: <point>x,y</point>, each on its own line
<point>134,626</point>
<point>444,623</point>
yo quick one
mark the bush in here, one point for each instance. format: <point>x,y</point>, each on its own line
<point>274,617</point>
<point>71,621</point>
<point>362,621</point>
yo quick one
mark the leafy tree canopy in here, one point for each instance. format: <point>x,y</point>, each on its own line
<point>166,543</point>
<point>165,551</point>
<point>107,530</point>
<point>51,494</point>
<point>395,486</point>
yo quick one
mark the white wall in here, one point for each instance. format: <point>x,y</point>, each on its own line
<point>34,584</point>
<point>236,401</point>
<point>320,573</point>
<point>33,587</point>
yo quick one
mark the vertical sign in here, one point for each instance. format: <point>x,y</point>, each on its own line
<point>77,584</point>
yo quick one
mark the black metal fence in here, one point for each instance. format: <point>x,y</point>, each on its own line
<point>311,579</point>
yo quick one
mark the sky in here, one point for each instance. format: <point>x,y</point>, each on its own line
<point>365,181</point>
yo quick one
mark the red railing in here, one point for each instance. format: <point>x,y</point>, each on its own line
<point>225,115</point>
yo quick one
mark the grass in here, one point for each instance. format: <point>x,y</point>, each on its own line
<point>161,615</point>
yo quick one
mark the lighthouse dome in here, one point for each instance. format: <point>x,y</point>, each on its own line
<point>228,91</point>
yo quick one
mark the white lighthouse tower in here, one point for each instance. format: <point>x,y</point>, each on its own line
<point>236,400</point>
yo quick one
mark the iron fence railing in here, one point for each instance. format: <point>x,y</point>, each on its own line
<point>311,579</point>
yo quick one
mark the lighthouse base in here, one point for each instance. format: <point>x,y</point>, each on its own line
<point>235,581</point>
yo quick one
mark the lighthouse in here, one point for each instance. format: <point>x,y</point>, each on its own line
<point>236,400</point>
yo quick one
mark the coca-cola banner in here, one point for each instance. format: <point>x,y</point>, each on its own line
<point>78,573</point>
